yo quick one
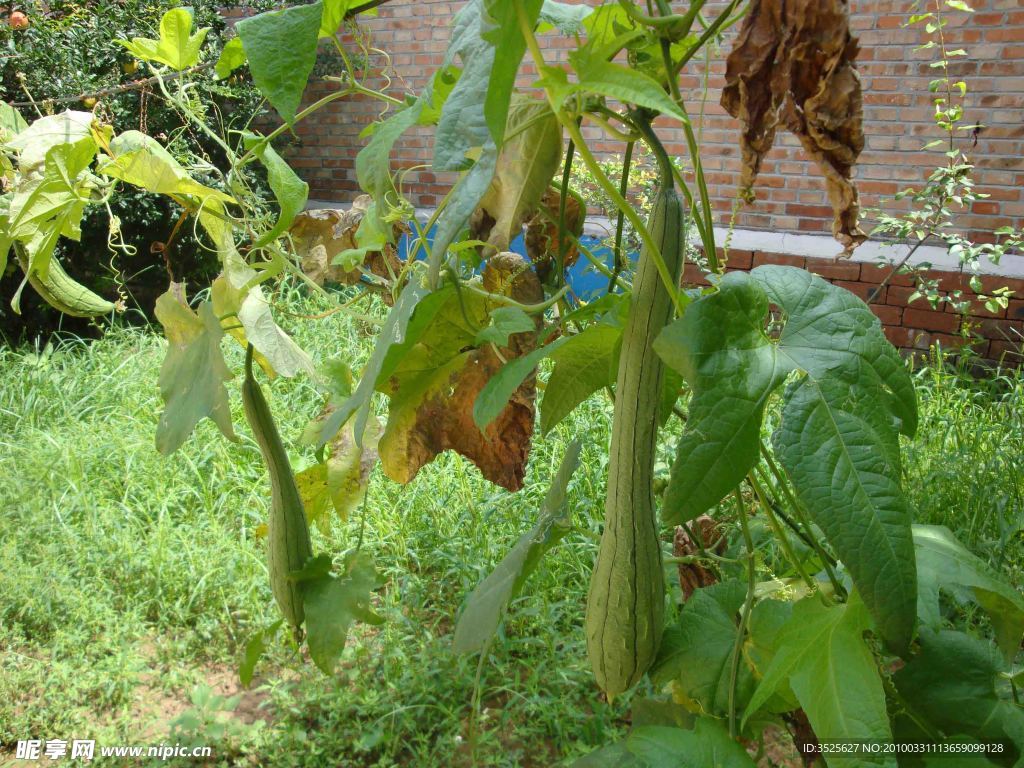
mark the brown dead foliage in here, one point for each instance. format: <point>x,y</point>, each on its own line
<point>693,576</point>
<point>319,235</point>
<point>443,418</point>
<point>542,243</point>
<point>793,63</point>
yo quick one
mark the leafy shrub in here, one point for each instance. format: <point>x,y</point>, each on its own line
<point>70,50</point>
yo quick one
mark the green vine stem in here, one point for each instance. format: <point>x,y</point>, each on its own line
<point>590,161</point>
<point>748,604</point>
<point>620,219</point>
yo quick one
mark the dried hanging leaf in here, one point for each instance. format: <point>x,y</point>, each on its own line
<point>542,241</point>
<point>319,236</point>
<point>793,63</point>
<point>694,576</point>
<point>435,385</point>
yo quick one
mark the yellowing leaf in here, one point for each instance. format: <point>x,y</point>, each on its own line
<point>528,159</point>
<point>177,47</point>
<point>50,204</point>
<point>259,328</point>
<point>193,373</point>
<point>140,160</point>
<point>434,380</point>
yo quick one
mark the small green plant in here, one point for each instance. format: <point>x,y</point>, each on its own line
<point>950,188</point>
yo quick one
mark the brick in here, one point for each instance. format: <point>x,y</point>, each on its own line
<point>838,269</point>
<point>1004,330</point>
<point>886,314</point>
<point>931,320</point>
<point>778,258</point>
<point>865,291</point>
<point>738,259</point>
<point>1006,352</point>
<point>869,273</point>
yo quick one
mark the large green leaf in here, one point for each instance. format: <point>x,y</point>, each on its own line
<point>823,656</point>
<point>720,348</point>
<point>525,166</point>
<point>696,652</point>
<point>953,683</point>
<point>487,604</point>
<point>193,372</point>
<point>838,438</point>
<point>509,46</point>
<point>281,48</point>
<point>177,47</point>
<point>290,191</point>
<point>835,444</point>
<point>627,85</point>
<point>11,122</point>
<point>944,564</point>
<point>706,746</point>
<point>583,365</point>
<point>332,604</point>
<point>462,126</point>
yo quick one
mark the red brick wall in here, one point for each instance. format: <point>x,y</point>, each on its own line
<point>790,195</point>
<point>898,116</point>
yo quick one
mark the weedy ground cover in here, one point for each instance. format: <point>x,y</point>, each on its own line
<point>130,582</point>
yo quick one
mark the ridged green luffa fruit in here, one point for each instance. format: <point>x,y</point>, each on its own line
<point>626,604</point>
<point>288,540</point>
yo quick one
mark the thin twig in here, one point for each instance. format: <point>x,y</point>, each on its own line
<point>134,85</point>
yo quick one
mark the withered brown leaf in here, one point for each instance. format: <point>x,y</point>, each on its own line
<point>694,576</point>
<point>542,241</point>
<point>434,388</point>
<point>319,235</point>
<point>793,63</point>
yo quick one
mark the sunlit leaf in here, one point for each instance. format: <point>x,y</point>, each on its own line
<point>140,160</point>
<point>33,143</point>
<point>50,204</point>
<point>177,47</point>
<point>823,656</point>
<point>232,56</point>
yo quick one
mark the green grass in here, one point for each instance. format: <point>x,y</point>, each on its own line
<point>130,582</point>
